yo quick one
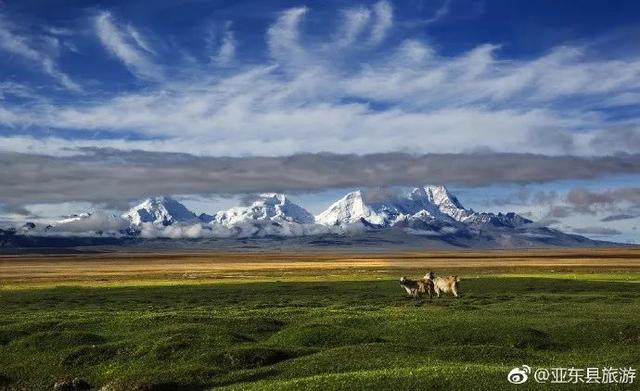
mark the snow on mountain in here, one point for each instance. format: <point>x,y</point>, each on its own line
<point>159,211</point>
<point>510,219</point>
<point>90,222</point>
<point>356,208</point>
<point>267,215</point>
<point>265,208</point>
<point>449,205</point>
<point>426,211</point>
<point>443,201</point>
<point>426,204</point>
<point>350,209</point>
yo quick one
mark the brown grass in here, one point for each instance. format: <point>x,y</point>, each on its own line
<point>121,266</point>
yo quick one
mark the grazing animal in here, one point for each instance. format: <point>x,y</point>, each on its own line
<point>428,286</point>
<point>446,285</point>
<point>413,287</point>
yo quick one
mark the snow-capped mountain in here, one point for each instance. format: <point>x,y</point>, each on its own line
<point>425,216</point>
<point>275,208</point>
<point>439,201</point>
<point>350,209</point>
<point>267,215</point>
<point>423,204</point>
<point>159,211</point>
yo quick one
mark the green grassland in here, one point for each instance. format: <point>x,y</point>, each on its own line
<point>316,334</point>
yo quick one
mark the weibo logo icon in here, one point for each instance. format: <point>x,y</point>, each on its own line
<point>519,375</point>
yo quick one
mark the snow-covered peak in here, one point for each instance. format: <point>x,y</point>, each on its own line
<point>268,207</point>
<point>351,208</point>
<point>278,206</point>
<point>159,210</point>
<point>440,195</point>
<point>425,202</point>
<point>421,203</point>
<point>424,209</point>
<point>446,202</point>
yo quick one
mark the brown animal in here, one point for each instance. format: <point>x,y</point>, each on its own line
<point>412,287</point>
<point>428,286</point>
<point>445,284</point>
<point>415,288</point>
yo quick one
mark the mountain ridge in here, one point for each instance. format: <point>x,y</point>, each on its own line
<point>425,214</point>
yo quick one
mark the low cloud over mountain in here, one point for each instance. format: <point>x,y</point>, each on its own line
<point>425,212</point>
<point>116,177</point>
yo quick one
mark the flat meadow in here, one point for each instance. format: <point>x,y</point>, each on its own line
<point>313,320</point>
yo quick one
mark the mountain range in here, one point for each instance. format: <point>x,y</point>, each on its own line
<point>426,216</point>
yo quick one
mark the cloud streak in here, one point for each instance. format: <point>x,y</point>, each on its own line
<point>440,13</point>
<point>587,201</point>
<point>225,114</point>
<point>410,100</point>
<point>17,45</point>
<point>226,52</point>
<point>354,24</point>
<point>126,46</point>
<point>283,36</point>
<point>597,231</point>
<point>114,177</point>
<point>383,21</point>
<point>617,217</point>
<point>312,96</point>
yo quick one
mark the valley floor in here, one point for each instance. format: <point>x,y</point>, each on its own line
<point>313,320</point>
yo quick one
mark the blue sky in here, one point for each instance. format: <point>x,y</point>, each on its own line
<point>279,78</point>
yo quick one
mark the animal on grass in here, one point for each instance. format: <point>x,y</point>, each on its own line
<point>447,284</point>
<point>415,288</point>
<point>428,285</point>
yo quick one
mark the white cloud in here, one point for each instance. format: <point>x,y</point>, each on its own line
<point>384,20</point>
<point>406,97</point>
<point>19,46</point>
<point>332,93</point>
<point>239,230</point>
<point>8,88</point>
<point>139,39</point>
<point>283,36</point>
<point>355,21</point>
<point>440,13</point>
<point>94,222</point>
<point>126,47</point>
<point>318,128</point>
<point>227,50</point>
<point>193,231</point>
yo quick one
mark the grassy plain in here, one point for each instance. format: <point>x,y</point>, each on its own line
<point>312,320</point>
